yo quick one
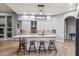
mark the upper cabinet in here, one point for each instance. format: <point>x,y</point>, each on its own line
<point>9,21</point>
<point>9,26</point>
<point>26,17</point>
<point>2,21</point>
<point>2,26</point>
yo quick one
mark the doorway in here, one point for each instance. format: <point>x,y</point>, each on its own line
<point>69,27</point>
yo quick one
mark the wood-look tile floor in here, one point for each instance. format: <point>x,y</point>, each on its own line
<point>9,48</point>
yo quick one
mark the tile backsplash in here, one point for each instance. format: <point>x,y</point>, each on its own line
<point>28,31</point>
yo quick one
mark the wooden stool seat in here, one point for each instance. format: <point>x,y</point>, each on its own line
<point>22,47</point>
<point>42,46</point>
<point>51,46</point>
<point>32,47</point>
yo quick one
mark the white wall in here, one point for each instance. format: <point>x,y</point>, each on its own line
<point>14,23</point>
<point>59,27</point>
<point>60,24</point>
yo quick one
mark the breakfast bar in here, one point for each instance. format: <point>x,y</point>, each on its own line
<point>36,38</point>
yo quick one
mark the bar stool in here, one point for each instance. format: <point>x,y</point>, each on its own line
<point>32,47</point>
<point>51,46</point>
<point>71,35</point>
<point>22,47</point>
<point>42,46</point>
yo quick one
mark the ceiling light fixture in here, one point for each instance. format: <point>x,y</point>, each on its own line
<point>40,9</point>
<point>24,13</point>
<point>32,13</point>
<point>71,8</point>
<point>71,4</point>
<point>40,15</point>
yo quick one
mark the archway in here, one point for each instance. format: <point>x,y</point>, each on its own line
<point>69,27</point>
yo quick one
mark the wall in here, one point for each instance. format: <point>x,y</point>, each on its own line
<point>15,22</point>
<point>59,27</point>
<point>60,20</point>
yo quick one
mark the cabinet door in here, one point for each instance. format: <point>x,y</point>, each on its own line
<point>2,21</point>
<point>9,26</point>
<point>1,32</point>
<point>33,30</point>
<point>9,32</point>
<point>9,21</point>
<point>2,26</point>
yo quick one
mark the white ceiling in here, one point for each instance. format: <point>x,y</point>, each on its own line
<point>31,8</point>
<point>4,8</point>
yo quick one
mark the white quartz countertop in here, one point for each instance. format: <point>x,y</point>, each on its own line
<point>35,35</point>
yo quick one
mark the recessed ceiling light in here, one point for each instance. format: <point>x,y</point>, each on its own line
<point>25,16</point>
<point>48,14</point>
<point>24,13</point>
<point>71,4</point>
<point>71,8</point>
<point>32,13</point>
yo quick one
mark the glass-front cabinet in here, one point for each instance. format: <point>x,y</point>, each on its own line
<point>9,26</point>
<point>5,26</point>
<point>2,26</point>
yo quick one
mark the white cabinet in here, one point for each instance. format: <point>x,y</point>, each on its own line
<point>5,26</point>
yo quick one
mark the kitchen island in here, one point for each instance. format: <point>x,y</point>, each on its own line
<point>37,38</point>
